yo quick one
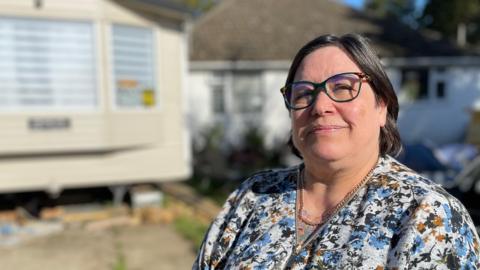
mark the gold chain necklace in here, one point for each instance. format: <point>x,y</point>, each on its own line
<point>303,215</point>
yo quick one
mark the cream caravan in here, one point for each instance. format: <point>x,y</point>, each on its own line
<point>91,94</point>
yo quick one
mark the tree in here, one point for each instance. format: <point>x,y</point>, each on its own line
<point>403,10</point>
<point>454,19</point>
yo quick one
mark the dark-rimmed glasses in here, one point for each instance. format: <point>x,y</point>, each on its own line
<point>343,87</point>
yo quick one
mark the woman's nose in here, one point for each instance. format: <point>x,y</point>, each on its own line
<point>322,104</point>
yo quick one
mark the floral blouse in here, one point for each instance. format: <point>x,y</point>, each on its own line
<point>398,220</point>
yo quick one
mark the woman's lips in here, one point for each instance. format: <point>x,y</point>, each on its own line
<point>325,129</point>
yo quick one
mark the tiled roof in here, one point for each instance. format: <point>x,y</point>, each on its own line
<point>276,29</point>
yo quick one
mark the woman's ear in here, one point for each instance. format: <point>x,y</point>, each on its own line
<point>292,147</point>
<point>382,113</point>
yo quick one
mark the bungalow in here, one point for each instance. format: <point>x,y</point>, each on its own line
<point>241,51</point>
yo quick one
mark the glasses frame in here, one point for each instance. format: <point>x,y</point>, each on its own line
<point>320,87</point>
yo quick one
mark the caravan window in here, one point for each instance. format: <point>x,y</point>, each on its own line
<point>47,64</point>
<point>133,67</point>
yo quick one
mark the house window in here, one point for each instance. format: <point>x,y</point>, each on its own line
<point>133,67</point>
<point>47,64</point>
<point>218,92</point>
<point>440,90</point>
<point>218,97</point>
<point>247,92</point>
<point>414,84</point>
<point>439,80</point>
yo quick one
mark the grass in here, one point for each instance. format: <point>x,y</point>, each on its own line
<point>186,225</point>
<point>120,264</point>
<point>217,191</point>
<point>191,229</point>
<point>120,261</point>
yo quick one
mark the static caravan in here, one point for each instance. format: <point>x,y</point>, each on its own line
<point>91,94</point>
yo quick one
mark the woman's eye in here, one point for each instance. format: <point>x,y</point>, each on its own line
<point>342,87</point>
<point>302,93</point>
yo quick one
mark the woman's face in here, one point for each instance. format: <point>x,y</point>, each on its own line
<point>332,131</point>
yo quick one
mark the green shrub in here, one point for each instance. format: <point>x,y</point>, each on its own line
<point>219,166</point>
<point>191,229</point>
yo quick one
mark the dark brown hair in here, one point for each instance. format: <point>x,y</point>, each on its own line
<point>360,51</point>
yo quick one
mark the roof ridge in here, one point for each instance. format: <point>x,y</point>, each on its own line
<point>242,30</point>
<point>211,13</point>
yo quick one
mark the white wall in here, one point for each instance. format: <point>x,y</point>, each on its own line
<point>441,121</point>
<point>199,101</point>
<point>276,122</point>
<point>273,121</point>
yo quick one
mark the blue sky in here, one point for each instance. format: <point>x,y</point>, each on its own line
<point>359,3</point>
<point>354,3</point>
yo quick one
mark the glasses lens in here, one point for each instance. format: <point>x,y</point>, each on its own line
<point>343,86</point>
<point>300,94</point>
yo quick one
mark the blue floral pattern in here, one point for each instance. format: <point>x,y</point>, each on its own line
<point>398,220</point>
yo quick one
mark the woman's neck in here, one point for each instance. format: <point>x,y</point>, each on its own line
<point>325,186</point>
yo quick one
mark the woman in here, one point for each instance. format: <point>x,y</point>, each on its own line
<point>349,205</point>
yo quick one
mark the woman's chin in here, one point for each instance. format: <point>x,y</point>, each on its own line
<point>325,155</point>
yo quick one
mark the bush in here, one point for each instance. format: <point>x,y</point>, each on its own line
<point>220,166</point>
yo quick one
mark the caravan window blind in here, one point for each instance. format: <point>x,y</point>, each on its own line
<point>133,65</point>
<point>46,64</point>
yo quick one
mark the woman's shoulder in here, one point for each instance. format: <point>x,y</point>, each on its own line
<point>409,185</point>
<point>399,175</point>
<point>271,180</point>
<point>260,186</point>
<point>432,225</point>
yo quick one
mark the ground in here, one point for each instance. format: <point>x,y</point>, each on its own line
<point>142,247</point>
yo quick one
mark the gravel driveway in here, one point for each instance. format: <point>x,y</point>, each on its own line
<point>143,247</point>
